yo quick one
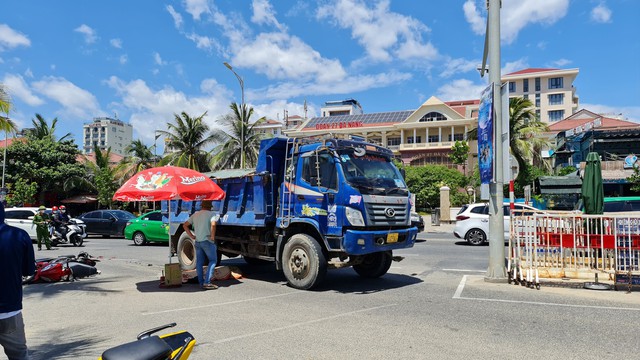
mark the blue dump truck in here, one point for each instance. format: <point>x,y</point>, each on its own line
<point>310,205</point>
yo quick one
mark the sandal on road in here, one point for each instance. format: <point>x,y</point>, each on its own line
<point>209,287</point>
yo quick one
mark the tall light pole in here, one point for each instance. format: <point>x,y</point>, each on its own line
<point>242,113</point>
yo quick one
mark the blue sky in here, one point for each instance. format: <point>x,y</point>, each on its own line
<point>145,60</point>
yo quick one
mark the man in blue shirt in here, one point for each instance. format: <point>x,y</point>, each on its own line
<point>16,260</point>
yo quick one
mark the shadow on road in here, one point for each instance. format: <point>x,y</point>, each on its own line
<point>57,288</point>
<point>67,344</point>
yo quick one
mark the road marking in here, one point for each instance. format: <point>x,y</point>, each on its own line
<point>222,304</point>
<point>233,338</point>
<point>464,281</point>
<point>460,287</point>
<point>465,270</point>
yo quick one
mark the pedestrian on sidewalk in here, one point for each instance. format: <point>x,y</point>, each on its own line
<point>204,231</point>
<point>16,260</point>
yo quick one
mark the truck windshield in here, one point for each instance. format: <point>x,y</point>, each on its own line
<point>372,173</point>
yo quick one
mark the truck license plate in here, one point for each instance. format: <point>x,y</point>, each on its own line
<point>392,238</point>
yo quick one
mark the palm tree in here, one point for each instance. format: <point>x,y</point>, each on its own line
<point>6,124</point>
<point>139,157</point>
<point>99,178</point>
<point>42,130</point>
<point>525,136</point>
<point>188,137</point>
<point>240,137</point>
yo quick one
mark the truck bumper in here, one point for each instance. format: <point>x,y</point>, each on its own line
<point>356,242</point>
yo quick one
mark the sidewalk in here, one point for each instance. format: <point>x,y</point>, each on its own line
<point>443,228</point>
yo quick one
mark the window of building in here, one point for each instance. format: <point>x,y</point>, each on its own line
<point>113,128</point>
<point>456,137</point>
<point>538,84</point>
<point>525,85</point>
<point>556,99</point>
<point>556,115</point>
<point>393,141</point>
<point>537,100</point>
<point>410,140</point>
<point>537,113</point>
<point>526,96</point>
<point>433,116</point>
<point>434,138</point>
<point>512,86</point>
<point>555,83</point>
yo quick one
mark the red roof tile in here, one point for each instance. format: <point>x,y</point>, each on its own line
<point>530,70</point>
<point>585,116</point>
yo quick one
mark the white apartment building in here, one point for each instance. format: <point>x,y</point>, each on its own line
<point>550,90</point>
<point>106,132</point>
<point>341,107</point>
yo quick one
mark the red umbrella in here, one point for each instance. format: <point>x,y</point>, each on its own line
<point>168,183</point>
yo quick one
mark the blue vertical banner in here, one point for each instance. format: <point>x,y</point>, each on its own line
<point>485,136</point>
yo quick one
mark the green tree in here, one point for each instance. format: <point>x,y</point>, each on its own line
<point>6,124</point>
<point>566,170</point>
<point>460,154</point>
<point>425,182</point>
<point>42,130</point>
<point>44,162</point>
<point>239,137</point>
<point>22,193</point>
<point>188,138</point>
<point>634,179</point>
<point>98,178</point>
<point>139,157</point>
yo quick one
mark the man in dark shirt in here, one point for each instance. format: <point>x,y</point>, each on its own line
<point>16,260</point>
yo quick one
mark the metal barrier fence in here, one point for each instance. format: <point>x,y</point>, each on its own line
<point>573,245</point>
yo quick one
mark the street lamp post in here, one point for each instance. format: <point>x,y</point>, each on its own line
<point>242,113</point>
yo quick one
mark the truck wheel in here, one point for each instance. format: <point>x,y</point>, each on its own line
<point>304,264</point>
<point>186,252</point>
<point>374,265</point>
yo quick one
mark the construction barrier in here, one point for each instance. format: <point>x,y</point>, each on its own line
<point>575,246</point>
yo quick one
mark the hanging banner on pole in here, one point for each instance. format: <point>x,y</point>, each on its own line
<point>508,173</point>
<point>485,141</point>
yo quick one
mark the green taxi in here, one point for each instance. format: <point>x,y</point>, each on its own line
<point>147,228</point>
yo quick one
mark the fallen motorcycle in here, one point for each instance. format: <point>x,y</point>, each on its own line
<point>63,268</point>
<point>173,346</point>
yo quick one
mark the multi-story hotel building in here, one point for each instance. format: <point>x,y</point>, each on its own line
<point>550,90</point>
<point>107,132</point>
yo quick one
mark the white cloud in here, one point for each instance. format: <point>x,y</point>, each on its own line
<point>516,15</point>
<point>177,18</point>
<point>116,43</point>
<point>461,89</point>
<point>151,109</point>
<point>28,73</point>
<point>158,60</point>
<point>18,88</point>
<point>76,101</point>
<point>275,110</point>
<point>601,14</point>
<point>281,56</point>
<point>203,42</point>
<point>347,85</point>
<point>10,38</point>
<point>630,113</point>
<point>458,66</point>
<point>263,14</point>
<point>196,8</point>
<point>561,62</point>
<point>90,36</point>
<point>123,59</point>
<point>384,34</point>
<point>514,66</point>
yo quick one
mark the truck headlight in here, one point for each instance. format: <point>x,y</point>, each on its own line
<point>354,216</point>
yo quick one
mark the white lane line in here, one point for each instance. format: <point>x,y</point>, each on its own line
<point>465,270</point>
<point>222,304</point>
<point>460,287</point>
<point>233,338</point>
<point>550,304</point>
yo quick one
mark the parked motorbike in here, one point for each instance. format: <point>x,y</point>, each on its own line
<point>173,346</point>
<point>75,232</point>
<point>63,268</point>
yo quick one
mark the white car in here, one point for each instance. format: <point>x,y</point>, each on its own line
<point>22,217</point>
<point>472,221</point>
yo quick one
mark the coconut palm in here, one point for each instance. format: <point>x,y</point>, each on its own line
<point>187,138</point>
<point>525,135</point>
<point>99,177</point>
<point>42,130</point>
<point>6,124</point>
<point>139,157</point>
<point>238,138</point>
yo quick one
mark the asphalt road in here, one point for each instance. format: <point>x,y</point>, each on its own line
<point>434,304</point>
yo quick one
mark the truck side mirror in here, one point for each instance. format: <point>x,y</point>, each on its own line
<point>403,173</point>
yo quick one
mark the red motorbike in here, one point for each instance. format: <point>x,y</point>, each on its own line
<point>63,268</point>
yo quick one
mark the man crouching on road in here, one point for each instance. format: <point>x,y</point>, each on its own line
<point>16,260</point>
<point>204,226</point>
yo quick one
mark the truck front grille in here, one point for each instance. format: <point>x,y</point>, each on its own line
<point>379,206</point>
